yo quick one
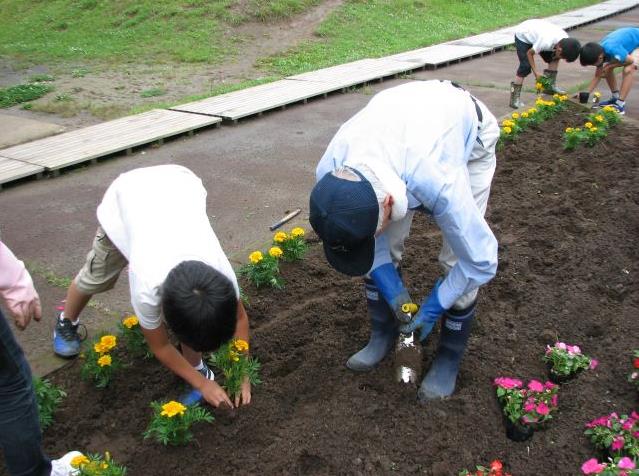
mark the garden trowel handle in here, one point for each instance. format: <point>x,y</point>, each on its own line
<point>409,309</point>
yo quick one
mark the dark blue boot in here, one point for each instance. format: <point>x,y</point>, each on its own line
<point>442,376</point>
<point>384,331</point>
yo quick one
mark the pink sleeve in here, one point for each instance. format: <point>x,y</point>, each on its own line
<point>15,282</point>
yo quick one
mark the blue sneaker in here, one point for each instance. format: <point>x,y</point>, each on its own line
<point>194,396</point>
<point>620,108</point>
<point>66,342</point>
<point>608,102</point>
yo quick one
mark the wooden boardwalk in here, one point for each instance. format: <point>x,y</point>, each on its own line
<point>56,152</point>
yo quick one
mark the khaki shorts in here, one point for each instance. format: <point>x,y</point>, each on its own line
<point>103,266</point>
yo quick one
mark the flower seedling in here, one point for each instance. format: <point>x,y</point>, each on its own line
<point>96,465</point>
<point>613,467</point>
<point>264,270</point>
<point>566,360</point>
<point>99,363</point>
<point>544,83</point>
<point>617,435</point>
<point>131,333</point>
<point>634,375</point>
<point>48,397</point>
<point>293,244</point>
<point>496,468</point>
<point>530,406</point>
<point>596,128</point>
<point>237,365</point>
<point>171,423</point>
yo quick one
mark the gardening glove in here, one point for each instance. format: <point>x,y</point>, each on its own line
<point>429,313</point>
<point>388,281</point>
<point>16,289</point>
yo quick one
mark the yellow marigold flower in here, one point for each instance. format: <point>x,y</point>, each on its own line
<point>539,102</point>
<point>297,231</point>
<point>108,341</point>
<point>609,109</point>
<point>507,130</point>
<point>280,237</point>
<point>130,322</point>
<point>569,130</point>
<point>507,123</point>
<point>275,252</point>
<point>597,94</point>
<point>532,110</point>
<point>515,115</point>
<point>588,125</point>
<point>79,460</point>
<point>104,465</point>
<point>100,348</point>
<point>172,408</point>
<point>256,257</point>
<point>577,129</point>
<point>599,118</point>
<point>563,98</point>
<point>556,96</point>
<point>104,361</point>
<point>539,86</point>
<point>240,345</point>
<point>524,115</point>
<point>234,356</point>
<point>593,129</point>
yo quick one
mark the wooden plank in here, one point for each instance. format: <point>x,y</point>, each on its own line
<point>106,138</point>
<point>487,40</point>
<point>11,170</point>
<point>439,54</point>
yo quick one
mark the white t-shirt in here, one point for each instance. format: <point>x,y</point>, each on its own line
<point>541,34</point>
<point>156,217</point>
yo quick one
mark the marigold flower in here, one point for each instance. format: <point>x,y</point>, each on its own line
<point>568,130</point>
<point>532,110</point>
<point>100,348</point>
<point>593,129</point>
<point>234,356</point>
<point>108,341</point>
<point>280,237</point>
<point>297,231</point>
<point>563,98</point>
<point>507,123</point>
<point>507,130</point>
<point>539,86</point>
<point>172,408</point>
<point>588,125</point>
<point>240,345</point>
<point>609,109</point>
<point>256,257</point>
<point>275,252</point>
<point>79,460</point>
<point>599,118</point>
<point>597,94</point>
<point>515,115</point>
<point>104,361</point>
<point>130,322</point>
<point>524,115</point>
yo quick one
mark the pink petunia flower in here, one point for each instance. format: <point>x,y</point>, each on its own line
<point>593,364</point>
<point>626,463</point>
<point>507,382</point>
<point>592,466</point>
<point>535,386</point>
<point>560,345</point>
<point>617,443</point>
<point>554,400</point>
<point>543,409</point>
<point>627,425</point>
<point>529,406</point>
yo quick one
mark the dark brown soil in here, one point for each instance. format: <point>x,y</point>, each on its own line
<point>567,224</point>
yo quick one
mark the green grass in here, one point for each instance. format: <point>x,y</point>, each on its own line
<point>375,28</point>
<point>149,93</point>
<point>130,30</point>
<point>22,93</point>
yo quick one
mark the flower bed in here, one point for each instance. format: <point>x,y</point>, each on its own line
<point>566,223</point>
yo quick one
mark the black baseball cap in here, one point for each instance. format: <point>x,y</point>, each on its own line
<point>344,214</point>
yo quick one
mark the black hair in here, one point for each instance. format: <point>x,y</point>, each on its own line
<point>590,54</point>
<point>199,305</point>
<point>570,48</point>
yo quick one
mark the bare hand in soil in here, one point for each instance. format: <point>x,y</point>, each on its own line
<point>214,394</point>
<point>244,398</point>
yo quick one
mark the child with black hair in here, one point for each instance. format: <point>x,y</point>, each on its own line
<point>154,220</point>
<point>618,49</point>
<point>548,41</point>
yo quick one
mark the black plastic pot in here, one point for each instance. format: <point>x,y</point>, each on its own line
<point>517,431</point>
<point>561,379</point>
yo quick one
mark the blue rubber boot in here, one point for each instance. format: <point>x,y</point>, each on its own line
<point>66,341</point>
<point>384,331</point>
<point>442,376</point>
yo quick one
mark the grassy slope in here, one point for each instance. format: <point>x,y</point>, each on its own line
<point>130,30</point>
<point>377,28</point>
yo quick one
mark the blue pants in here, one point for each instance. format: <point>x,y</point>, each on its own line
<point>20,436</point>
